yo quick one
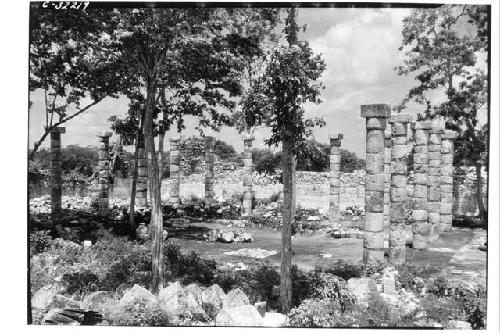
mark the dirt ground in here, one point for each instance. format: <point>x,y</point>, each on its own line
<point>319,250</point>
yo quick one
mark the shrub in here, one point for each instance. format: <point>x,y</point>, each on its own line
<point>345,270</point>
<point>265,161</point>
<point>40,241</point>
<point>81,283</point>
<point>137,314</point>
<point>319,313</point>
<point>329,286</point>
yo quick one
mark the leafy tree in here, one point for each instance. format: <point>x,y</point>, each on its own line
<point>276,99</point>
<point>441,45</point>
<point>265,161</point>
<point>224,150</point>
<point>65,68</point>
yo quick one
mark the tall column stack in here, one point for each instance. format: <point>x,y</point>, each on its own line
<point>142,178</point>
<point>56,172</point>
<point>376,115</point>
<point>446,184</point>
<point>175,175</point>
<point>209,168</point>
<point>387,178</point>
<point>104,173</point>
<point>433,181</point>
<point>247,176</point>
<point>420,169</point>
<point>334,177</point>
<point>399,190</point>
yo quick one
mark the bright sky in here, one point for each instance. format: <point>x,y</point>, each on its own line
<point>360,47</point>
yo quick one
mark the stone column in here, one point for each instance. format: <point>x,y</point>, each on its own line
<point>247,177</point>
<point>142,179</point>
<point>446,184</point>
<point>387,178</point>
<point>420,168</point>
<point>175,175</point>
<point>334,176</point>
<point>433,180</point>
<point>56,172</point>
<point>399,190</point>
<point>373,244</point>
<point>209,168</point>
<point>104,173</point>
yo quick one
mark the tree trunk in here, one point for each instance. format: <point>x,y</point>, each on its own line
<point>479,193</point>
<point>156,223</point>
<point>134,180</point>
<point>288,166</point>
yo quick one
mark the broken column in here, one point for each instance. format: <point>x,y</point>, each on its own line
<point>247,176</point>
<point>142,178</point>
<point>387,178</point>
<point>399,190</point>
<point>420,168</point>
<point>56,172</point>
<point>334,177</point>
<point>373,244</point>
<point>446,183</point>
<point>433,180</point>
<point>104,173</point>
<point>175,175</point>
<point>209,168</point>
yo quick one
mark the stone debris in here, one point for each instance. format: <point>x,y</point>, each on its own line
<point>252,253</point>
<point>227,236</point>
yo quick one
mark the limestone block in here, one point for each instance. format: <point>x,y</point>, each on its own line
<point>433,206</point>
<point>446,207</point>
<point>419,215</point>
<point>374,182</point>
<point>433,218</point>
<point>374,201</point>
<point>374,163</point>
<point>399,194</point>
<point>398,181</point>
<point>374,240</point>
<point>375,110</point>
<point>374,142</point>
<point>446,197</point>
<point>374,222</point>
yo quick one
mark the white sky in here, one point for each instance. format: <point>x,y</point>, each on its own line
<point>360,47</point>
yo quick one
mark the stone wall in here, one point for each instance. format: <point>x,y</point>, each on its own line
<point>312,188</point>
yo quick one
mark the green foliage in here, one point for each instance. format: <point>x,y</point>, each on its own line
<point>224,151</point>
<point>81,283</point>
<point>137,314</point>
<point>319,313</point>
<point>289,80</point>
<point>39,242</point>
<point>265,161</point>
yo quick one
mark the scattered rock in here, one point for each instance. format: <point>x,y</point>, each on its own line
<point>245,315</point>
<point>213,300</point>
<point>235,298</point>
<point>261,308</point>
<point>97,300</point>
<point>361,288</point>
<point>274,319</point>
<point>252,253</point>
<point>458,325</point>
<point>137,294</point>
<point>227,237</point>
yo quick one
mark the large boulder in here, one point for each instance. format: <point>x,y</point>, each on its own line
<point>226,237</point>
<point>196,292</point>
<point>213,300</point>
<point>361,288</point>
<point>47,298</point>
<point>274,319</point>
<point>245,315</point>
<point>137,294</point>
<point>97,300</point>
<point>235,298</point>
<point>176,300</point>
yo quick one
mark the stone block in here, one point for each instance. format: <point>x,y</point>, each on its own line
<point>371,256</point>
<point>420,178</point>
<point>398,212</point>
<point>399,129</point>
<point>400,141</point>
<point>374,163</point>
<point>433,171</point>
<point>399,168</point>
<point>446,197</point>
<point>374,240</point>
<point>446,208</point>
<point>433,206</point>
<point>419,241</point>
<point>374,201</point>
<point>374,222</point>
<point>446,220</point>
<point>398,181</point>
<point>433,218</point>
<point>374,142</point>
<point>335,159</point>
<point>420,168</point>
<point>399,194</point>
<point>375,110</point>
<point>374,182</point>
<point>419,215</point>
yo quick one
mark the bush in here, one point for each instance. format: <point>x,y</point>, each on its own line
<point>264,161</point>
<point>137,314</point>
<point>40,241</point>
<point>81,283</point>
<point>319,313</point>
<point>329,286</point>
